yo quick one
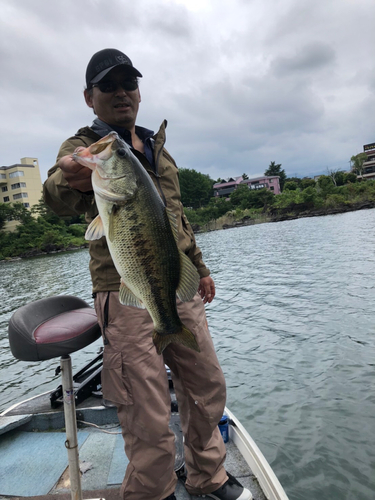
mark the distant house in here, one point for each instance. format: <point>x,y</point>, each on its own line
<point>369,164</point>
<point>272,183</point>
<point>225,188</point>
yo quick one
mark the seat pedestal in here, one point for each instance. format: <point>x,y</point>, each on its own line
<point>71,442</point>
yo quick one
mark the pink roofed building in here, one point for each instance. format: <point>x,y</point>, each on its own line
<point>272,183</point>
<point>226,187</point>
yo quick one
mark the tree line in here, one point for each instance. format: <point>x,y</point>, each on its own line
<point>337,190</point>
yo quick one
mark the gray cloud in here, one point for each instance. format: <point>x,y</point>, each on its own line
<point>241,83</point>
<point>310,58</point>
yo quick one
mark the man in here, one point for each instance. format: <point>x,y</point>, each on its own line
<point>134,375</point>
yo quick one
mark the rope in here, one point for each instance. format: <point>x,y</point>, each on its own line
<point>97,427</point>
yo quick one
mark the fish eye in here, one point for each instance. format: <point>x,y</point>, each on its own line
<point>121,152</point>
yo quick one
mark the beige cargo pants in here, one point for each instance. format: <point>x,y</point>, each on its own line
<point>134,378</point>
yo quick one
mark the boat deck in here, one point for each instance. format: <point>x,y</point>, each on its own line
<point>34,464</point>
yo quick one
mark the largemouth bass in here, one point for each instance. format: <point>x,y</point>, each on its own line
<point>142,239</point>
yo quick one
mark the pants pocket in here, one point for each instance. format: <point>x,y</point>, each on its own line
<point>115,382</point>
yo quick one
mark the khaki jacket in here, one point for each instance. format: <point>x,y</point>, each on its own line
<point>66,201</point>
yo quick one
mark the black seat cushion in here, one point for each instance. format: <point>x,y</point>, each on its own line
<point>52,327</point>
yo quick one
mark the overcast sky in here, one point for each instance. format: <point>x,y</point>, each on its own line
<point>241,82</point>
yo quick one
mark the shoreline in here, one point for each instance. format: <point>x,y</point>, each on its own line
<point>38,253</point>
<point>283,215</point>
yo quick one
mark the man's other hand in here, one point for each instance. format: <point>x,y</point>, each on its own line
<point>207,289</point>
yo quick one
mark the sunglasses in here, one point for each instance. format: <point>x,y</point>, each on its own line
<point>110,86</point>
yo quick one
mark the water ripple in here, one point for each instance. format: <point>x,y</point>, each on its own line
<point>293,323</point>
<point>294,327</point>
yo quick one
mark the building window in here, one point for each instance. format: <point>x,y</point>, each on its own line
<point>19,195</point>
<point>18,173</point>
<point>18,185</point>
<point>6,198</point>
<point>27,205</point>
<point>3,176</point>
<point>272,188</point>
<point>4,189</point>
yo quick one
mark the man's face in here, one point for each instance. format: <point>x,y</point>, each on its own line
<point>119,107</point>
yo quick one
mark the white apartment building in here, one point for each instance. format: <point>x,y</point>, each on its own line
<point>20,183</point>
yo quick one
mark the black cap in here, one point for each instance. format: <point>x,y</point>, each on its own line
<point>103,61</point>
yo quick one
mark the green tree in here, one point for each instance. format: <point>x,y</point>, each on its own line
<point>14,211</point>
<point>306,182</point>
<point>275,169</point>
<point>41,209</point>
<point>291,185</point>
<point>244,198</point>
<point>350,177</point>
<point>309,197</point>
<point>5,214</point>
<point>297,180</point>
<point>240,197</point>
<point>325,185</point>
<point>337,176</point>
<point>262,198</point>
<point>196,188</point>
<point>357,162</point>
<point>287,199</point>
<point>44,211</point>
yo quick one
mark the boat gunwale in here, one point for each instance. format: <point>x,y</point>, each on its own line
<point>255,459</point>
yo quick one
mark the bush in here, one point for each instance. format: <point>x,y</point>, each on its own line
<point>77,230</point>
<point>325,185</point>
<point>350,177</point>
<point>305,183</point>
<point>290,186</point>
<point>334,201</point>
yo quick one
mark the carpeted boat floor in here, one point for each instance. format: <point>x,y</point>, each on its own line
<point>32,462</point>
<point>108,494</point>
<point>33,466</point>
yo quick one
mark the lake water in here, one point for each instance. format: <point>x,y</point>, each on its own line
<point>294,327</point>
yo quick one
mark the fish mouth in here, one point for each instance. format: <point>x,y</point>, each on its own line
<point>97,153</point>
<point>103,147</point>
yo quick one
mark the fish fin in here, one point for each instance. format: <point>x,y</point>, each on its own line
<point>127,297</point>
<point>189,279</point>
<point>95,230</point>
<point>184,337</point>
<point>173,223</point>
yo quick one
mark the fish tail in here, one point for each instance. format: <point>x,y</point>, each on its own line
<point>183,336</point>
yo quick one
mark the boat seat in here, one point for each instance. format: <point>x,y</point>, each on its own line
<point>52,327</point>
